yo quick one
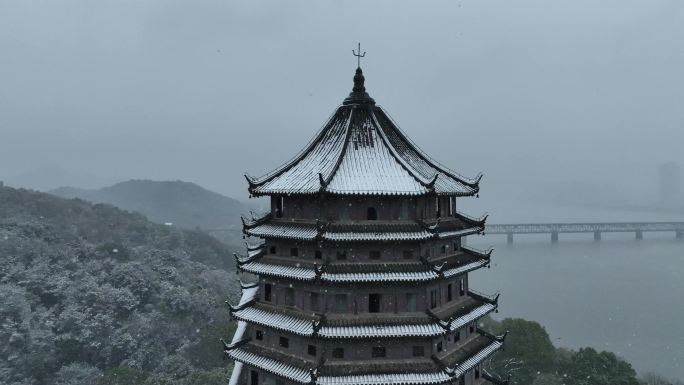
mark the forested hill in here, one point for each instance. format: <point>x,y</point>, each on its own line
<point>184,204</point>
<point>95,295</point>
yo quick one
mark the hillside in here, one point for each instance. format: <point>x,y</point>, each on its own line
<point>95,295</point>
<point>184,204</point>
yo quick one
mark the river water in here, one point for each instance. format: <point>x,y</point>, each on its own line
<point>618,294</point>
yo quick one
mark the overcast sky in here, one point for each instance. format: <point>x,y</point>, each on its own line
<point>529,92</point>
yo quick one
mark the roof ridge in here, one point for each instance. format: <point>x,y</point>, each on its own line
<point>471,182</point>
<point>326,181</point>
<point>396,156</point>
<point>256,182</point>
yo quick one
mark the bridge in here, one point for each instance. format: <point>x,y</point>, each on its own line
<point>638,228</point>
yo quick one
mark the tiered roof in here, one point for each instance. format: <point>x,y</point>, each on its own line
<point>361,151</point>
<point>307,230</point>
<point>331,326</point>
<point>423,371</point>
<point>410,371</point>
<point>460,262</point>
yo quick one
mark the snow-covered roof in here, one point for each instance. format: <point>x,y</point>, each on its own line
<point>361,151</point>
<point>457,263</point>
<point>305,372</point>
<point>361,231</point>
<point>309,273</point>
<point>309,325</point>
<point>472,361</point>
<point>271,365</point>
<point>235,375</point>
<point>249,293</point>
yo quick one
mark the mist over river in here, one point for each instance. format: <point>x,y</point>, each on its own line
<point>618,294</point>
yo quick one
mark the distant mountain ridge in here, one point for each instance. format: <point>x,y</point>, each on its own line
<point>184,204</point>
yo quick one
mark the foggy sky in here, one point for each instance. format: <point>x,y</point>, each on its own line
<point>529,92</point>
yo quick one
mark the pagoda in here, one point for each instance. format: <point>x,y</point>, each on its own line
<point>361,264</point>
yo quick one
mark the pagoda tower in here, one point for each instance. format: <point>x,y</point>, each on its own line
<point>361,265</point>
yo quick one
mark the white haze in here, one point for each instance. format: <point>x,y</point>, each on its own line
<point>532,93</point>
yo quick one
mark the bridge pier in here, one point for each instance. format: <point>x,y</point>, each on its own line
<point>679,234</point>
<point>639,234</point>
<point>509,238</point>
<point>597,235</point>
<point>554,237</point>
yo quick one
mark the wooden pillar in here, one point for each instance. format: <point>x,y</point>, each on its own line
<point>509,238</point>
<point>597,235</point>
<point>554,237</point>
<point>639,234</point>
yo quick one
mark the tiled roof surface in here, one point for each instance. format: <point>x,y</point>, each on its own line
<point>361,151</point>
<point>364,272</point>
<point>305,230</point>
<point>375,372</point>
<point>377,326</point>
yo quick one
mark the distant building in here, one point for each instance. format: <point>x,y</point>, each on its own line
<point>669,178</point>
<point>362,272</point>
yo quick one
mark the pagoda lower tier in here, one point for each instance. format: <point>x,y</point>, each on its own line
<point>440,367</point>
<point>430,323</point>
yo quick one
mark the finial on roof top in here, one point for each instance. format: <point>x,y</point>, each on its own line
<point>359,55</point>
<point>359,94</point>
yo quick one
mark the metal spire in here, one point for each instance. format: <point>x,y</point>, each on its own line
<point>358,55</point>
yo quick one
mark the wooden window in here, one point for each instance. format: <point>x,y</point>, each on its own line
<point>472,328</point>
<point>338,353</point>
<point>319,254</point>
<point>374,300</point>
<point>433,299</point>
<point>268,292</point>
<point>372,214</point>
<point>311,349</point>
<point>411,302</point>
<point>289,296</point>
<point>440,347</point>
<point>259,335</point>
<point>450,295</point>
<point>340,303</point>
<point>273,250</point>
<point>404,214</point>
<point>443,249</point>
<point>314,302</point>
<point>462,288</point>
<point>284,342</point>
<point>280,206</point>
<point>378,352</point>
<point>294,252</point>
<point>374,254</point>
<point>477,371</point>
<point>418,351</point>
<point>254,377</point>
<point>457,335</point>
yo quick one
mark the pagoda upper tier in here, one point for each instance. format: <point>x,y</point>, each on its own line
<point>361,151</point>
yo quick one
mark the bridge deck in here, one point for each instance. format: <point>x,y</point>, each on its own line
<point>608,227</point>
